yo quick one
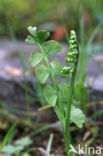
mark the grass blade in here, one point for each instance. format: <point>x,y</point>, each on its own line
<point>49,144</point>
<point>8,136</point>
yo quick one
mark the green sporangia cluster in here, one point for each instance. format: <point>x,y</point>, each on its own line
<point>72,54</point>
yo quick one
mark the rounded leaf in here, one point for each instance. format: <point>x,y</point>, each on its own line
<point>50,95</point>
<point>35,58</point>
<point>42,35</point>
<point>77,116</point>
<point>52,47</point>
<point>42,73</point>
<point>57,68</point>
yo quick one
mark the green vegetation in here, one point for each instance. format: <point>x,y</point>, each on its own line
<point>59,94</point>
<point>66,93</point>
<point>37,13</point>
<point>7,137</point>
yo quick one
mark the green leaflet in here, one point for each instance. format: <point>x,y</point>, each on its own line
<point>63,91</point>
<point>42,35</point>
<point>60,115</point>
<point>32,30</point>
<point>42,73</point>
<point>30,40</point>
<point>57,68</point>
<point>50,95</point>
<point>35,58</point>
<point>77,116</point>
<point>51,47</point>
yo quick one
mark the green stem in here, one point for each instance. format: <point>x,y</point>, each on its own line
<point>67,120</point>
<point>66,126</point>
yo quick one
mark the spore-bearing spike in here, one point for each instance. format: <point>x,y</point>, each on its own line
<point>71,41</point>
<point>72,54</point>
<point>72,32</point>
<point>71,60</point>
<point>75,52</point>
<point>73,46</point>
<point>66,70</point>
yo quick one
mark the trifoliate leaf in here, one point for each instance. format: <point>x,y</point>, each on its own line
<point>50,95</point>
<point>35,58</point>
<point>30,40</point>
<point>77,116</point>
<point>42,73</point>
<point>52,47</point>
<point>32,30</point>
<point>42,35</point>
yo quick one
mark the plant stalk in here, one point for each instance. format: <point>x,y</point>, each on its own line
<point>67,137</point>
<point>66,124</point>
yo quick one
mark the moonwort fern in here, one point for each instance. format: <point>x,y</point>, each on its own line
<point>59,94</point>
